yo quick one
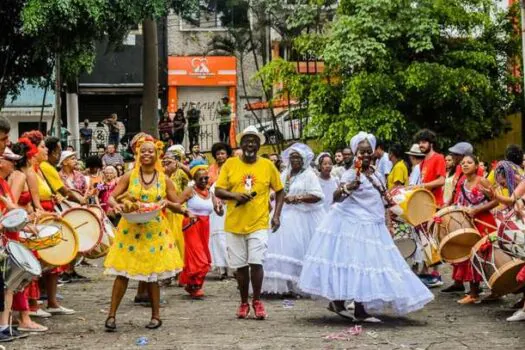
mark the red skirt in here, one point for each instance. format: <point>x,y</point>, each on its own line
<point>197,257</point>
<point>465,272</point>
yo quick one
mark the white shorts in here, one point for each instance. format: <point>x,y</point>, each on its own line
<point>249,249</point>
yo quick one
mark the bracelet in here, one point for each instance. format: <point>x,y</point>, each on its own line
<point>346,190</point>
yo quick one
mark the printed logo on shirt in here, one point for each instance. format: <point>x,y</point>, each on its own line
<point>249,182</point>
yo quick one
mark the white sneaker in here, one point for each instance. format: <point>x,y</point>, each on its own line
<point>40,313</point>
<point>517,316</point>
<point>60,311</point>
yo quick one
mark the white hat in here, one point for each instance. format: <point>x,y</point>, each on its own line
<point>176,148</point>
<point>415,151</point>
<point>251,130</point>
<point>65,155</point>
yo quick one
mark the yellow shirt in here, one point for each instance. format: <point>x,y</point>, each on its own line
<point>399,174</point>
<point>260,177</point>
<point>52,176</point>
<point>44,191</point>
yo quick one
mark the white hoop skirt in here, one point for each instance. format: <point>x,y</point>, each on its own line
<point>357,260</point>
<point>287,247</point>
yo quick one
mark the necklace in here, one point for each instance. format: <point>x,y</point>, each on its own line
<point>147,183</point>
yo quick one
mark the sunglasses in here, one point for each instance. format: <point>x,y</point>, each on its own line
<point>205,178</point>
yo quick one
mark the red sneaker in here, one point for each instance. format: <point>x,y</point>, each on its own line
<point>197,294</point>
<point>260,312</point>
<point>243,311</point>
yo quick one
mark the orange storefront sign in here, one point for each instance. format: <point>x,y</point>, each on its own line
<point>202,71</point>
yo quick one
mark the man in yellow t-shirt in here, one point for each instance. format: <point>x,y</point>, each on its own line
<point>399,174</point>
<point>245,183</point>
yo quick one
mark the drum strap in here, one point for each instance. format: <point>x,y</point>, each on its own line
<point>381,189</point>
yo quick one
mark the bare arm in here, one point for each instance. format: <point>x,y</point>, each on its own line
<point>17,182</point>
<point>122,186</point>
<point>174,202</point>
<point>307,198</point>
<point>72,195</point>
<point>440,181</point>
<point>279,200</point>
<point>185,168</point>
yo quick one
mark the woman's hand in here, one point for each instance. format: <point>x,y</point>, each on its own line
<point>488,192</point>
<point>472,212</point>
<point>8,203</point>
<point>352,186</point>
<point>290,199</point>
<point>118,208</point>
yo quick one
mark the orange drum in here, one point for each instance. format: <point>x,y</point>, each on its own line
<point>498,269</point>
<point>65,251</point>
<point>456,234</point>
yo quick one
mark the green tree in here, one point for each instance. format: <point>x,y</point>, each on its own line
<point>394,66</point>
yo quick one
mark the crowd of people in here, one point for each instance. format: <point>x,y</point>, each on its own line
<point>287,224</point>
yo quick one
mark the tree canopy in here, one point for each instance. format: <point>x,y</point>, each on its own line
<point>393,66</point>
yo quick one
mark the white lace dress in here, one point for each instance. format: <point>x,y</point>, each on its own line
<point>287,246</point>
<point>353,257</point>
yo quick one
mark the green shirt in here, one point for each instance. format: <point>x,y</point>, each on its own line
<point>225,112</point>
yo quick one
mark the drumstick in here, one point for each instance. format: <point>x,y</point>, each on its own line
<point>484,223</point>
<point>82,224</point>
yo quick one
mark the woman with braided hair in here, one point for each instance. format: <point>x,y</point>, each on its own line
<point>145,252</point>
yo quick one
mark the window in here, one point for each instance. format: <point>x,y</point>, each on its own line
<point>215,15</point>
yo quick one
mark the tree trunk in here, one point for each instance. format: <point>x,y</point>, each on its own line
<point>150,92</point>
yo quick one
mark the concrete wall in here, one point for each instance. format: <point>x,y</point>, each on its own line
<point>17,116</point>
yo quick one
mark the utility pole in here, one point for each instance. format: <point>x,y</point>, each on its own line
<point>58,113</point>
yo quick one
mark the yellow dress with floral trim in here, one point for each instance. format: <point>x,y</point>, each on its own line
<point>145,252</point>
<point>174,219</point>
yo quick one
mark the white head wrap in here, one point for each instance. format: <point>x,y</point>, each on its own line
<point>360,137</point>
<point>318,159</point>
<point>306,153</point>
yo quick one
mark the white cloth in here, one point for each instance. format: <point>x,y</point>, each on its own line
<point>306,153</point>
<point>384,165</point>
<point>287,246</point>
<point>338,171</point>
<point>200,206</point>
<point>218,245</point>
<point>329,186</point>
<point>353,257</point>
<point>361,136</point>
<point>415,176</point>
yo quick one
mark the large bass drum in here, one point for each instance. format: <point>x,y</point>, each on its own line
<point>20,267</point>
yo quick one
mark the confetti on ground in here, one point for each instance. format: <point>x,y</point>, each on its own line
<point>347,334</point>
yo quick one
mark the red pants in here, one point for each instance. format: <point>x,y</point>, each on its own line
<point>465,272</point>
<point>197,257</point>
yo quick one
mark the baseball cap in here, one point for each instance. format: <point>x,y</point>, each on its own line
<point>10,155</point>
<point>462,149</point>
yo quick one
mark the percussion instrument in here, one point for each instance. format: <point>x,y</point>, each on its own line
<point>415,206</point>
<point>498,269</point>
<point>48,236</point>
<point>403,239</point>
<point>108,235</point>
<point>87,226</point>
<point>430,248</point>
<point>20,267</point>
<point>15,220</point>
<point>65,251</point>
<point>66,205</point>
<point>511,235</point>
<point>456,234</point>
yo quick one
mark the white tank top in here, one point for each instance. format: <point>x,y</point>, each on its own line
<point>200,206</point>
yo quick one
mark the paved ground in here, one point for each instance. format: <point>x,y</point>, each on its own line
<point>210,324</point>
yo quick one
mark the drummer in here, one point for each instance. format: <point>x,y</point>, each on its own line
<point>7,161</point>
<point>479,207</point>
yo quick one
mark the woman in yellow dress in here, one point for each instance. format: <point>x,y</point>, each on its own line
<point>144,252</point>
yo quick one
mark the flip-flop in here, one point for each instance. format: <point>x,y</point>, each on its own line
<point>154,325</point>
<point>342,313</point>
<point>110,326</point>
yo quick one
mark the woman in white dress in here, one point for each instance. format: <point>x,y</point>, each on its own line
<point>328,182</point>
<point>301,213</point>
<point>352,255</point>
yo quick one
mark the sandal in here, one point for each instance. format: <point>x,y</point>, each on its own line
<point>342,312</point>
<point>34,327</point>
<point>111,326</point>
<point>154,323</point>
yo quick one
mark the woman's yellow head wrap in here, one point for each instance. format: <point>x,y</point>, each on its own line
<point>159,151</point>
<point>197,165</point>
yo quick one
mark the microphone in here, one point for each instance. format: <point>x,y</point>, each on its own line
<point>253,194</point>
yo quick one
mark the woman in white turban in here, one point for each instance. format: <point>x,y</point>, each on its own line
<point>301,213</point>
<point>352,255</point>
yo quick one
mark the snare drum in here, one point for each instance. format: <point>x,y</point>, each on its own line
<point>498,269</point>
<point>456,234</point>
<point>15,220</point>
<point>415,206</point>
<point>48,236</point>
<point>20,267</point>
<point>511,235</point>
<point>87,226</point>
<point>403,239</point>
<point>65,251</point>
